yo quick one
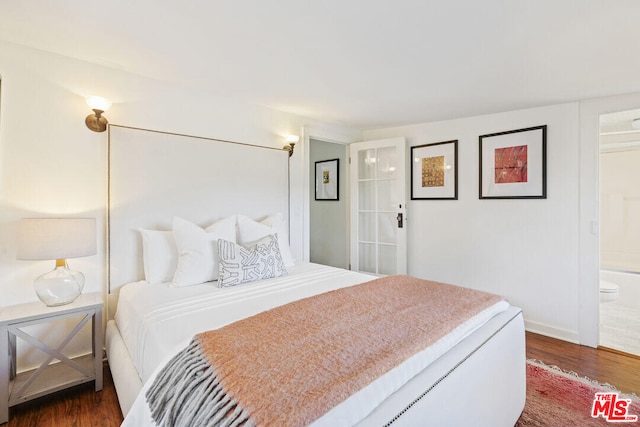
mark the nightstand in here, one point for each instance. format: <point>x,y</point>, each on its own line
<point>48,378</point>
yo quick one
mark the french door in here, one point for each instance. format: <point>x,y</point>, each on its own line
<point>378,207</point>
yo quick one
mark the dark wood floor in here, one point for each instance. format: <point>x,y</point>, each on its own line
<point>81,406</point>
<point>619,370</point>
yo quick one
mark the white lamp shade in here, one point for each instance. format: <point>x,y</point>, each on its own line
<point>56,238</point>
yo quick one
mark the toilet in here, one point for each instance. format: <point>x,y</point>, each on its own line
<point>608,291</point>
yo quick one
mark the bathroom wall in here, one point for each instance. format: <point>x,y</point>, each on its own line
<point>620,210</point>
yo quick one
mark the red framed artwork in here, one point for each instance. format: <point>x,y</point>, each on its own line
<point>513,164</point>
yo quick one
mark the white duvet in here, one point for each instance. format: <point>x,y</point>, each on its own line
<point>157,321</point>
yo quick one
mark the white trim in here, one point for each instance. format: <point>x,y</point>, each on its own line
<point>553,332</point>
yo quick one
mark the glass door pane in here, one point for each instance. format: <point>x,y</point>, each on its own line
<point>379,194</point>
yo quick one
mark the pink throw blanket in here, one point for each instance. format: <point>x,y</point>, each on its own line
<point>290,365</point>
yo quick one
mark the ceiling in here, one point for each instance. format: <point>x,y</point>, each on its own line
<point>363,63</point>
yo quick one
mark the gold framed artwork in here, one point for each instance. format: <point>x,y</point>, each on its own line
<point>327,179</point>
<point>434,171</point>
<point>513,164</point>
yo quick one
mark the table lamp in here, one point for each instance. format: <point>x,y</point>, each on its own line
<point>59,239</point>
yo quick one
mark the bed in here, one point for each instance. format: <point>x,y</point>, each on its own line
<point>474,375</point>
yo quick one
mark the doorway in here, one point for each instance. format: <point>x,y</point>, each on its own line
<point>328,214</point>
<point>619,275</point>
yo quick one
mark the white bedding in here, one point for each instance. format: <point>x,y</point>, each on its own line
<point>156,321</point>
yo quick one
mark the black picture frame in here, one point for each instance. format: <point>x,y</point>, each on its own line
<point>327,179</point>
<point>513,164</point>
<point>434,171</point>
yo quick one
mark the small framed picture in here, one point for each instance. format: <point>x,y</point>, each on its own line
<point>513,164</point>
<point>327,179</point>
<point>434,171</point>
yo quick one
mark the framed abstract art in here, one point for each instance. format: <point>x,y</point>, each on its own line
<point>434,171</point>
<point>513,164</point>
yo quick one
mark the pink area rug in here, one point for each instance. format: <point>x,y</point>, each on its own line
<point>557,398</point>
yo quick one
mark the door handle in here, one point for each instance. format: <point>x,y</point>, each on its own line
<point>399,219</point>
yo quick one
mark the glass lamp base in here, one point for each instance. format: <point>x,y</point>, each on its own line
<point>59,287</point>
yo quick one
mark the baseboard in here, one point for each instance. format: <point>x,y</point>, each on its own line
<point>553,332</point>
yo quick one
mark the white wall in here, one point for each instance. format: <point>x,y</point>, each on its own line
<point>51,164</point>
<point>526,250</point>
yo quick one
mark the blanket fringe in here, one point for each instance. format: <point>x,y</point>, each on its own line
<point>189,374</point>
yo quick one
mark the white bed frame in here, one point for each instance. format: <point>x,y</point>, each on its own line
<point>480,382</point>
<point>154,176</point>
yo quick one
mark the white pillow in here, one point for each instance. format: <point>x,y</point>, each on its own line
<point>250,231</point>
<point>159,255</point>
<point>241,265</point>
<point>198,250</point>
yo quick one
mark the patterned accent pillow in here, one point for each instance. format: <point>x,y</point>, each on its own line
<point>238,264</point>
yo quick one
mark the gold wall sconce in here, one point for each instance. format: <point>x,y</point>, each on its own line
<point>96,121</point>
<point>292,140</point>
